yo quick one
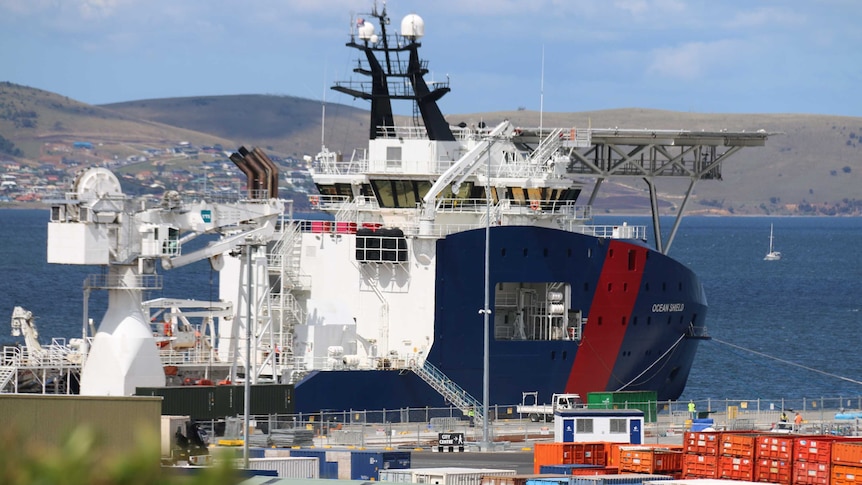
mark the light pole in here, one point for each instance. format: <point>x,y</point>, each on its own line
<point>247,382</point>
<point>486,311</point>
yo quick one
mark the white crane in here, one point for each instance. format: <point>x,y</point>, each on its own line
<point>98,225</point>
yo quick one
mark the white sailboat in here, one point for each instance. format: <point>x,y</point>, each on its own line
<point>772,255</point>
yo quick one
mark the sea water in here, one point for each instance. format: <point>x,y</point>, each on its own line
<point>790,328</point>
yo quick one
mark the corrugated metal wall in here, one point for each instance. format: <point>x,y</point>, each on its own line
<point>49,419</point>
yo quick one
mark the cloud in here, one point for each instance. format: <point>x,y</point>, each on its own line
<point>771,17</point>
<point>77,9</point>
<point>694,60</point>
<point>650,9</point>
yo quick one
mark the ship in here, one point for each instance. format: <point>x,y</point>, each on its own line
<point>452,263</point>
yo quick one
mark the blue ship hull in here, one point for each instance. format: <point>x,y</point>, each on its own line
<point>645,320</point>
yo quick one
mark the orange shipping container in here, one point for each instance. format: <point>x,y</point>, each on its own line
<point>810,473</point>
<point>614,453</point>
<point>702,442</point>
<point>590,453</point>
<point>775,447</point>
<point>551,454</point>
<point>650,460</point>
<point>847,453</point>
<point>608,470</point>
<point>814,448</point>
<point>569,454</point>
<point>846,475</point>
<point>699,466</point>
<point>773,471</point>
<point>614,450</point>
<point>735,468</point>
<point>738,444</point>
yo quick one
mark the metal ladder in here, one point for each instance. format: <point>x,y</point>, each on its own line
<point>547,147</point>
<point>449,390</point>
<point>6,374</point>
<point>283,262</point>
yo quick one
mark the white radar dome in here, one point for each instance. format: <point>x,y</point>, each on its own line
<point>413,27</point>
<point>366,30</point>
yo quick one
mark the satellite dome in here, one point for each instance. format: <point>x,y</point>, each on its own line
<point>366,30</point>
<point>412,27</point>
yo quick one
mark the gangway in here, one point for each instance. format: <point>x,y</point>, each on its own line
<point>449,390</point>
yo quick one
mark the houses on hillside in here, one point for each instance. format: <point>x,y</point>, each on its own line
<point>191,170</point>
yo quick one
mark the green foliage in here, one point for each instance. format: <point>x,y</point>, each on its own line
<point>81,460</point>
<point>9,148</point>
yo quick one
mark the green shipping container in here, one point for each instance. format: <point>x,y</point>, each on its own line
<point>646,401</point>
<point>216,402</point>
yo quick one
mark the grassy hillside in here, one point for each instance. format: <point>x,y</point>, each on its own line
<point>30,117</point>
<point>815,158</point>
<point>285,125</point>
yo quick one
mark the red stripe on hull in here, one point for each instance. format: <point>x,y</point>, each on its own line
<point>609,317</point>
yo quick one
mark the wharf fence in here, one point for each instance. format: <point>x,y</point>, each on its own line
<point>420,426</point>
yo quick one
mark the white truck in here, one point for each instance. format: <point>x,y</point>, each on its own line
<point>545,412</point>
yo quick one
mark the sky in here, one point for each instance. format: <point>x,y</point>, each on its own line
<point>706,56</point>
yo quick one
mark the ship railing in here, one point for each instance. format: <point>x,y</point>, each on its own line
<point>448,388</point>
<point>623,231</point>
<point>6,375</point>
<point>548,146</point>
<point>572,221</point>
<point>199,354</point>
<point>132,282</point>
<point>13,355</point>
<point>396,89</point>
<point>55,355</point>
<point>334,163</point>
<point>568,209</point>
<point>219,197</point>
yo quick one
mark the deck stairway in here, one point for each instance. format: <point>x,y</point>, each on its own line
<point>6,375</point>
<point>449,390</point>
<point>283,264</point>
<point>548,147</point>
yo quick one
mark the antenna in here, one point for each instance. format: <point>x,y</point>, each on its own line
<point>542,92</point>
<point>323,111</point>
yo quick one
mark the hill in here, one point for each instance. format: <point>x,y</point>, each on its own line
<point>285,125</point>
<point>32,119</point>
<point>810,163</point>
<point>812,167</point>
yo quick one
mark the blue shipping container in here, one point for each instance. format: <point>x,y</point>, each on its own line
<point>565,469</point>
<point>325,469</point>
<point>365,465</point>
<point>549,481</point>
<point>624,479</point>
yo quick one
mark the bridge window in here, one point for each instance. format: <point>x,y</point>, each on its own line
<point>403,194</point>
<point>583,425</point>
<point>618,426</point>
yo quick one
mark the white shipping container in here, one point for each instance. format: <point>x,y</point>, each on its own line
<point>403,475</point>
<point>276,452</point>
<point>343,459</point>
<point>287,467</point>
<point>442,476</point>
<point>169,431</point>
